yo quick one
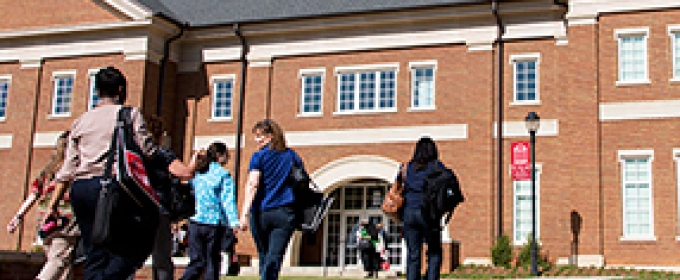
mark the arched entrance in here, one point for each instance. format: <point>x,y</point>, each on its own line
<point>358,184</point>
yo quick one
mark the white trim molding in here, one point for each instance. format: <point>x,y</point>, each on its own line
<point>587,11</point>
<point>376,135</point>
<point>582,260</point>
<point>202,142</point>
<point>673,31</point>
<point>637,110</point>
<point>549,127</point>
<point>131,8</point>
<point>46,139</point>
<point>6,141</point>
<point>367,67</point>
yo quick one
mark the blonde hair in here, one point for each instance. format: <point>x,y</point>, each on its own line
<point>270,127</point>
<point>57,158</point>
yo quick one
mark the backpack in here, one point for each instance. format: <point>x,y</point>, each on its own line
<point>441,194</point>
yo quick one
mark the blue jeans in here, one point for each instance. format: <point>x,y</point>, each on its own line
<point>415,231</point>
<point>272,230</point>
<point>204,251</point>
<point>100,264</point>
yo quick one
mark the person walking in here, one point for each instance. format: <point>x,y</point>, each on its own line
<point>59,244</point>
<point>88,143</point>
<point>269,197</point>
<point>367,241</point>
<point>416,229</point>
<point>215,209</point>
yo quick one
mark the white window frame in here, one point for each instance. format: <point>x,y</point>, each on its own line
<point>624,155</point>
<point>676,158</point>
<point>539,170</point>
<point>8,79</point>
<point>674,30</point>
<point>311,72</point>
<point>631,32</point>
<point>92,92</point>
<point>355,69</point>
<point>423,65</point>
<point>527,57</point>
<point>213,82</point>
<point>55,76</point>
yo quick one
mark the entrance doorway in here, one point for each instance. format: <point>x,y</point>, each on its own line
<point>354,201</point>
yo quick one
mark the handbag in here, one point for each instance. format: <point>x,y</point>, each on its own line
<point>311,204</point>
<point>126,214</point>
<point>394,199</point>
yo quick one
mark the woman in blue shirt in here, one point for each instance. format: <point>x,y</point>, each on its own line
<point>269,197</point>
<point>215,209</point>
<point>416,229</point>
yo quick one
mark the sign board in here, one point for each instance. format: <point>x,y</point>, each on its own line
<point>520,159</point>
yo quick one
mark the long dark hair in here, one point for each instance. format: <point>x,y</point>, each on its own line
<point>270,127</point>
<point>203,160</point>
<point>424,153</point>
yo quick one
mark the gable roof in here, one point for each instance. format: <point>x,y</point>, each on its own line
<point>215,12</point>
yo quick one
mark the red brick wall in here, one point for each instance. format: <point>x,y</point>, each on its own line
<point>35,14</point>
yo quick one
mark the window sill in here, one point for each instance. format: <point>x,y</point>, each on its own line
<point>633,83</point>
<point>674,80</point>
<point>421,109</point>
<point>218,120</point>
<point>349,113</point>
<point>638,239</point>
<point>55,117</point>
<point>3,119</point>
<point>526,103</point>
<point>309,115</point>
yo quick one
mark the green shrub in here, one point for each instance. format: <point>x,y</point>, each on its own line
<point>501,252</point>
<point>524,257</point>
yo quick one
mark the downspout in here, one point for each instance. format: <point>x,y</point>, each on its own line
<point>164,62</point>
<point>29,164</point>
<point>499,119</point>
<point>241,100</point>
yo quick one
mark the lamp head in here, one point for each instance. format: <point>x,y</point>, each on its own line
<point>532,122</point>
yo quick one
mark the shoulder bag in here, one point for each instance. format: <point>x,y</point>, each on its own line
<point>394,199</point>
<point>311,204</point>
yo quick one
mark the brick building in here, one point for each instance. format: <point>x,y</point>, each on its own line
<point>355,85</point>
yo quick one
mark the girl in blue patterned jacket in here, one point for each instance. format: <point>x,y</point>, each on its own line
<point>215,209</point>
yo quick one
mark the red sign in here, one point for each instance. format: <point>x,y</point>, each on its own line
<point>520,167</point>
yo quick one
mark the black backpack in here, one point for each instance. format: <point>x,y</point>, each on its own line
<point>441,194</point>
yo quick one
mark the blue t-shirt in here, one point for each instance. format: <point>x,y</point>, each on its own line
<point>275,190</point>
<point>413,185</point>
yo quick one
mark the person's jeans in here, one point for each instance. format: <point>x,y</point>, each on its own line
<point>162,267</point>
<point>272,230</point>
<point>371,260</point>
<point>58,265</point>
<point>415,231</point>
<point>204,251</point>
<point>100,263</point>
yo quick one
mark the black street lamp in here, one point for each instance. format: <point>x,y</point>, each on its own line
<point>532,122</point>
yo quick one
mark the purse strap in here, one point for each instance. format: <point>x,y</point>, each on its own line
<point>402,177</point>
<point>109,157</point>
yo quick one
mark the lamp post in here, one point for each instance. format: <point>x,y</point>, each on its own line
<point>532,122</point>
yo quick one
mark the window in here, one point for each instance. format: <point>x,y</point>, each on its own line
<point>422,85</point>
<point>367,90</point>
<point>525,77</point>
<point>522,219</point>
<point>636,175</point>
<point>676,157</point>
<point>93,99</point>
<point>632,55</point>
<point>674,33</point>
<point>4,95</point>
<point>222,97</point>
<point>63,93</point>
<point>312,91</point>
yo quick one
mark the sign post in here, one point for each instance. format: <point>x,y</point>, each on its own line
<point>520,167</point>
